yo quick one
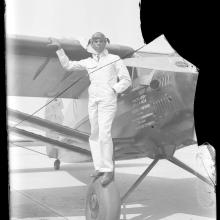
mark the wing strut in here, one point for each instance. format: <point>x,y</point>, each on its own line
<point>47,140</point>
<point>43,124</point>
<point>190,170</point>
<point>41,67</point>
<point>140,179</point>
<point>173,160</point>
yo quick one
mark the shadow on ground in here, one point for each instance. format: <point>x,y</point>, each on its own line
<point>155,198</point>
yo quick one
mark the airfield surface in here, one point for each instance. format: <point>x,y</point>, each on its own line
<point>38,192</point>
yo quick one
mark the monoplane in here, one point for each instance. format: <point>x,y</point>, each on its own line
<point>154,116</point>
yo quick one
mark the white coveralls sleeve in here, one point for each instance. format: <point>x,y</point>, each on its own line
<point>68,64</point>
<point>123,75</point>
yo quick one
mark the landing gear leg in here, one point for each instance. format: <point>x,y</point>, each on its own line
<point>57,164</point>
<point>139,180</point>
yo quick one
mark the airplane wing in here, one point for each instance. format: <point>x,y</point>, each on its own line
<point>173,63</point>
<point>33,69</point>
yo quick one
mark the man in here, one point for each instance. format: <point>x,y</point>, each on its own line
<point>104,69</point>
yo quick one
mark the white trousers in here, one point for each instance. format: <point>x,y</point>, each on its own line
<point>102,107</point>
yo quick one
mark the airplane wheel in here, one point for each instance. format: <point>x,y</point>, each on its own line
<point>57,164</point>
<point>102,203</point>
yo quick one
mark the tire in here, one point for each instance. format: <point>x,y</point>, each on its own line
<point>102,203</point>
<point>57,164</point>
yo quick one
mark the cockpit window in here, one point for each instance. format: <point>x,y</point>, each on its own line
<point>145,76</point>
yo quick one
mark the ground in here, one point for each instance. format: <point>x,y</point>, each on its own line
<point>38,192</point>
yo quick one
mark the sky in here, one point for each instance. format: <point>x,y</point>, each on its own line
<point>118,19</point>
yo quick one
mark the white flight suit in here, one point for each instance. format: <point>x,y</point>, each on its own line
<point>103,73</point>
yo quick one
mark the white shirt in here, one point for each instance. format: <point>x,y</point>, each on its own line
<point>102,70</point>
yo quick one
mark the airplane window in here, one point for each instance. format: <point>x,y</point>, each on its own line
<point>145,76</point>
<point>130,69</point>
<point>140,76</point>
<point>135,80</point>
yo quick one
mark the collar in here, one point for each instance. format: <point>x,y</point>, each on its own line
<point>98,56</point>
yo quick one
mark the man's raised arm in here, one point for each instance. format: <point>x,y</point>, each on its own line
<point>64,60</point>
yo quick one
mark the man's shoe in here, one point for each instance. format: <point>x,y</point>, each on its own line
<point>96,174</point>
<point>107,178</point>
